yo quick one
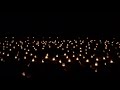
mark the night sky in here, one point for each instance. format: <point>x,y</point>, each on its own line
<point>61,23</point>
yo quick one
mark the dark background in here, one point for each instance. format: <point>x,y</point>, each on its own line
<point>60,23</point>
<point>67,24</point>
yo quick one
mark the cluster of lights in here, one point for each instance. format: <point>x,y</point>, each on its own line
<point>79,50</point>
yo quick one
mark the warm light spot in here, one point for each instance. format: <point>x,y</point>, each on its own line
<point>8,54</point>
<point>53,59</point>
<point>96,43</point>
<point>97,59</point>
<point>35,49</point>
<point>73,56</point>
<point>57,55</point>
<point>23,74</point>
<point>111,61</point>
<point>77,58</point>
<point>62,48</point>
<point>64,54</point>
<point>35,56</point>
<point>1,59</point>
<point>63,64</point>
<point>24,57</point>
<point>42,48</point>
<point>80,50</point>
<point>10,49</point>
<point>83,41</point>
<point>13,47</point>
<point>31,54</point>
<point>103,58</point>
<point>94,48</point>
<point>33,60</point>
<point>67,50</point>
<point>87,60</point>
<point>69,60</point>
<point>91,56</point>
<point>96,64</point>
<point>3,53</point>
<point>60,61</point>
<point>80,55</point>
<point>119,56</point>
<point>66,57</point>
<point>46,57</point>
<point>37,43</point>
<point>26,52</point>
<point>95,70</point>
<point>107,56</point>
<point>25,49</point>
<point>73,46</point>
<point>75,41</point>
<point>21,47</point>
<point>42,61</point>
<point>71,43</point>
<point>83,57</point>
<point>63,40</point>
<point>105,63</point>
<point>9,44</point>
<point>12,37</point>
<point>88,47</point>
<point>117,53</point>
<point>15,57</point>
<point>18,59</point>
<point>105,47</point>
<point>85,52</point>
<point>26,45</point>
